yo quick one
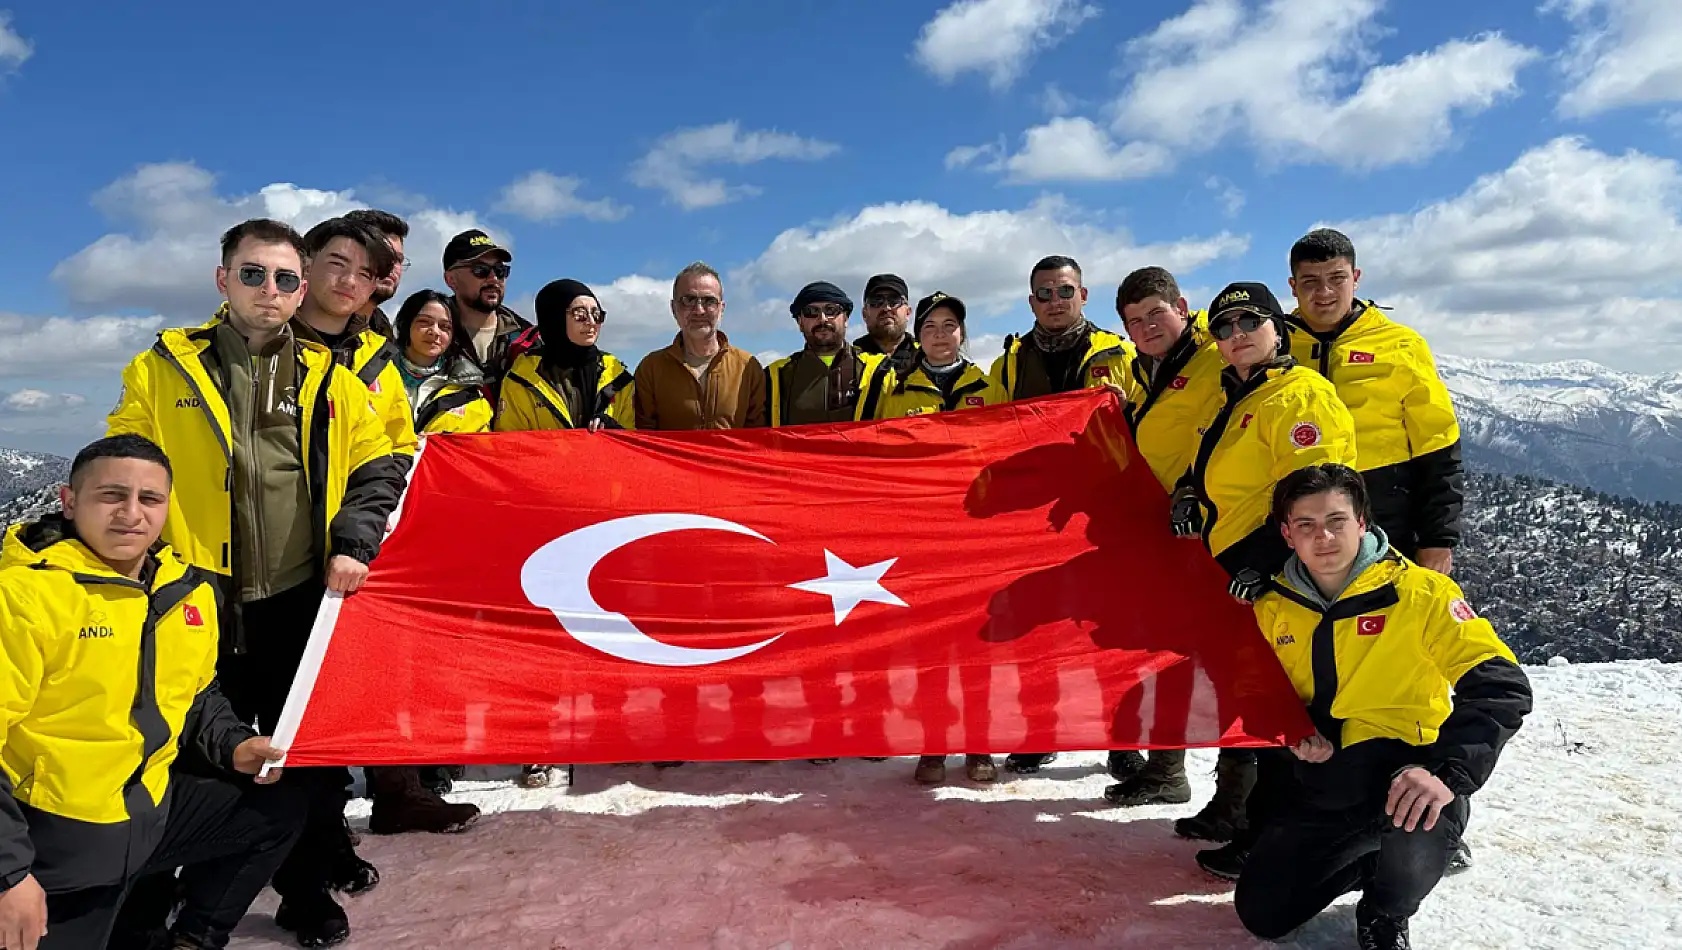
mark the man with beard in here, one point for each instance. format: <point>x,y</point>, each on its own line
<point>700,381</point>
<point>828,381</point>
<point>491,335</point>
<point>887,314</point>
<point>395,231</point>
<point>1062,353</point>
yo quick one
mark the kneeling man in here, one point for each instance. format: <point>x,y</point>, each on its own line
<point>1412,695</point>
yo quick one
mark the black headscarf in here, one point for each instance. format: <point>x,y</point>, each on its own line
<point>560,355</point>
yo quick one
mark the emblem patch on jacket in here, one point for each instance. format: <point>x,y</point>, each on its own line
<point>1244,423</point>
<point>1179,383</point>
<point>192,616</point>
<point>1305,435</point>
<point>1100,372</point>
<point>974,401</point>
<point>1369,626</point>
<point>1356,356</point>
<point>1461,610</point>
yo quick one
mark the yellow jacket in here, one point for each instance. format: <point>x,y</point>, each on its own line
<point>1108,358</point>
<point>456,407</point>
<point>86,751</point>
<point>1165,412</point>
<point>1284,417</point>
<point>374,361</point>
<point>1406,433</point>
<point>876,377</point>
<point>916,394</point>
<point>1401,656</point>
<point>529,402</point>
<point>169,397</point>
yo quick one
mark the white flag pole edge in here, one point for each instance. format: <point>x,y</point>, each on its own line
<point>321,637</point>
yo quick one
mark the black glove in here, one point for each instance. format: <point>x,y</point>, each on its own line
<point>1185,514</point>
<point>1247,585</point>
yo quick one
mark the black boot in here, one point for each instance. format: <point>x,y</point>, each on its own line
<point>1374,931</point>
<point>402,803</point>
<point>1027,763</point>
<point>314,918</point>
<point>1225,862</point>
<point>438,779</point>
<point>1161,782</point>
<point>1125,764</point>
<point>1223,817</point>
<point>347,871</point>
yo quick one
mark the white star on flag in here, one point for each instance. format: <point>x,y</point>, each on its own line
<point>850,586</point>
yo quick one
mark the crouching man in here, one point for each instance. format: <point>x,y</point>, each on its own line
<point>1412,696</point>
<point>120,756</point>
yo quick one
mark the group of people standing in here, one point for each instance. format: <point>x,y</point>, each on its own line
<point>252,461</point>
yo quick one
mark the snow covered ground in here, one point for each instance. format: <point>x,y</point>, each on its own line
<point>1578,842</point>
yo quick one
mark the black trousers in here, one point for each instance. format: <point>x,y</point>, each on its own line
<point>227,835</point>
<point>256,682</point>
<point>1306,858</point>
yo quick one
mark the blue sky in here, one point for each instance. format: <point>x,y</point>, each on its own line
<point>1507,169</point>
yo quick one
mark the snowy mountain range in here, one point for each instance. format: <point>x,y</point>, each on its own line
<point>1575,422</point>
<point>25,472</point>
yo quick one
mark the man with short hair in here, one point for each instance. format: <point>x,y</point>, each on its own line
<point>887,322</point>
<point>700,381</point>
<point>476,269</point>
<point>285,479</point>
<point>1173,386</point>
<point>1063,352</point>
<point>1412,696</point>
<point>395,231</point>
<point>1407,436</point>
<point>827,380</point>
<point>90,798</point>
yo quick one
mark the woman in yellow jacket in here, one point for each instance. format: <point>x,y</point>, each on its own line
<point>568,383</point>
<point>447,391</point>
<point>942,381</point>
<point>1276,417</point>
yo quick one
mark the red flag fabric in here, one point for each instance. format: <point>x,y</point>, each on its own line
<point>991,580</point>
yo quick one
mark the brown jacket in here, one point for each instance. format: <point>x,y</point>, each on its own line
<point>670,398</point>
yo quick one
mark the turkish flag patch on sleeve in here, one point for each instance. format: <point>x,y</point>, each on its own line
<point>1461,610</point>
<point>974,401</point>
<point>1356,356</point>
<point>191,614</point>
<point>1178,383</point>
<point>1370,626</point>
<point>1100,372</point>
<point>1305,434</point>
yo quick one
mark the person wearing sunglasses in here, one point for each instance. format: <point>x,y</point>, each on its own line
<point>1063,352</point>
<point>887,314</point>
<point>700,381</point>
<point>828,380</point>
<point>345,260</point>
<point>1275,417</point>
<point>476,269</point>
<point>268,434</point>
<point>1173,386</point>
<point>569,383</point>
<point>395,232</point>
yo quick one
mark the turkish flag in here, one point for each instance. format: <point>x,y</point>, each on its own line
<point>991,580</point>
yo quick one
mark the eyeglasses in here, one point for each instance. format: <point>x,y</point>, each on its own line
<point>828,310</point>
<point>1044,294</point>
<point>887,303</point>
<point>256,275</point>
<point>1223,329</point>
<point>484,271</point>
<point>691,301</point>
<point>587,315</point>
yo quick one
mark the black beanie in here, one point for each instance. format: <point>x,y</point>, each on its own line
<point>821,291</point>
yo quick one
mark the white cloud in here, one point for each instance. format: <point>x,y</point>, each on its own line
<point>996,37</point>
<point>1230,196</point>
<point>1056,102</point>
<point>1075,149</point>
<point>57,347</point>
<point>542,196</point>
<point>991,156</point>
<point>674,164</point>
<point>983,256</point>
<point>1624,53</point>
<point>174,217</point>
<point>1270,75</point>
<point>40,402</point>
<point>1568,253</point>
<point>14,49</point>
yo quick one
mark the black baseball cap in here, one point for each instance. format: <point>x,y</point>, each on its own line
<point>472,245</point>
<point>1249,297</point>
<point>939,299</point>
<point>891,282</point>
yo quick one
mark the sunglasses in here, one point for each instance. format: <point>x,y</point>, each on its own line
<point>484,271</point>
<point>1044,294</point>
<point>708,303</point>
<point>256,275</point>
<point>830,310</point>
<point>586,315</point>
<point>1223,329</point>
<point>885,303</point>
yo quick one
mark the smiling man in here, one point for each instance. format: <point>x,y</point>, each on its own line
<point>1412,696</point>
<point>700,381</point>
<point>887,321</point>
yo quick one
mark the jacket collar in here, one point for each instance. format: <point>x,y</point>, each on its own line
<point>51,544</point>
